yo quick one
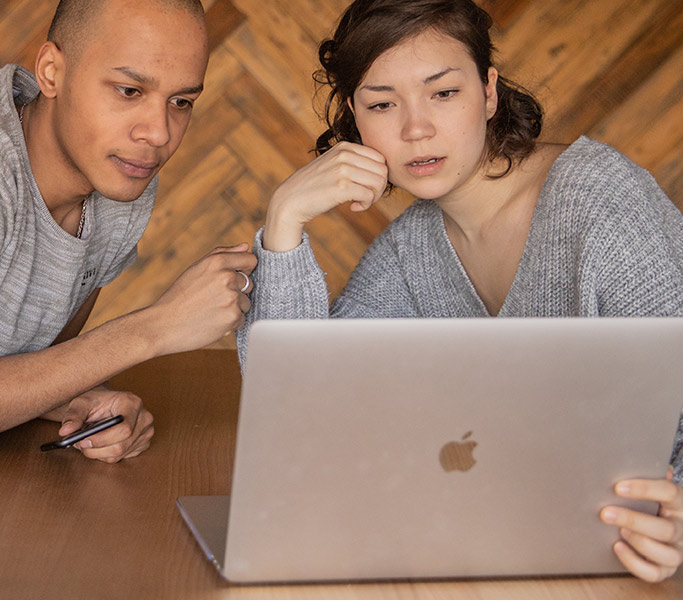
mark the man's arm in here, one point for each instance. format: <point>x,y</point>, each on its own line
<point>70,331</point>
<point>204,304</point>
<point>75,326</point>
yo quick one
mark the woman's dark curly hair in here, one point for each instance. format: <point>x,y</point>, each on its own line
<point>368,28</point>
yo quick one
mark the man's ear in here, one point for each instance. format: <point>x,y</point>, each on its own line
<point>49,69</point>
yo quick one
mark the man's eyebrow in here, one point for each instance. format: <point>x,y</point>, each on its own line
<point>430,79</point>
<point>136,76</point>
<point>195,89</point>
<point>152,82</point>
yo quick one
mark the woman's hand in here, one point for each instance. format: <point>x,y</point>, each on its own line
<point>346,173</point>
<point>651,547</point>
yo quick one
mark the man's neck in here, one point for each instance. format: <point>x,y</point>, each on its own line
<point>62,192</point>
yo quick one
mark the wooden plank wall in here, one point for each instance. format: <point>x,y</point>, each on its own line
<point>611,69</point>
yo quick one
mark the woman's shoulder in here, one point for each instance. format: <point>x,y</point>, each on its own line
<point>589,164</point>
<point>595,189</point>
<point>595,175</point>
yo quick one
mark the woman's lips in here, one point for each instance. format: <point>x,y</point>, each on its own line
<point>135,168</point>
<point>424,166</point>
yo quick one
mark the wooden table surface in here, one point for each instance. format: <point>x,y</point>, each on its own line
<point>73,528</point>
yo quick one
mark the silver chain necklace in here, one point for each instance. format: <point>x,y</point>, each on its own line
<point>81,224</point>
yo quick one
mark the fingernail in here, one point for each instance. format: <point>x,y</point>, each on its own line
<point>623,488</point>
<point>609,515</point>
<point>85,444</point>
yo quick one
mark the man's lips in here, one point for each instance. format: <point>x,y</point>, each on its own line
<point>136,168</point>
<point>425,165</point>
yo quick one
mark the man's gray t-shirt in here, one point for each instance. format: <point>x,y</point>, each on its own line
<point>45,273</point>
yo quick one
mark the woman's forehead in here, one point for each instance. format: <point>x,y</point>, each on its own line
<point>421,56</point>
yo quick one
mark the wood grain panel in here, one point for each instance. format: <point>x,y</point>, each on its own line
<point>608,68</point>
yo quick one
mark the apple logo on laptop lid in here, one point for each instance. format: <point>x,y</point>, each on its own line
<point>458,456</point>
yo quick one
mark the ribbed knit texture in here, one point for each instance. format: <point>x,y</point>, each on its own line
<point>604,241</point>
<point>45,273</point>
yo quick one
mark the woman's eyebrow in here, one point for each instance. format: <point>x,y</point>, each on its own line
<point>430,79</point>
<point>439,75</point>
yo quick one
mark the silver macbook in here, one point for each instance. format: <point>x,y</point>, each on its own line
<point>441,448</point>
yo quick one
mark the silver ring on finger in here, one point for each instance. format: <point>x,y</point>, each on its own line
<point>247,281</point>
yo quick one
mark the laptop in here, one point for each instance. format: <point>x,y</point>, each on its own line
<point>440,448</point>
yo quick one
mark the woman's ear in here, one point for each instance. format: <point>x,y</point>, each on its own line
<point>491,92</point>
<point>349,102</point>
<point>49,69</point>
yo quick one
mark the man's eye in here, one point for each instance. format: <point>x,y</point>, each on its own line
<point>182,103</point>
<point>128,92</point>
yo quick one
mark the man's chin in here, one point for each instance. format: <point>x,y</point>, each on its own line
<point>129,194</point>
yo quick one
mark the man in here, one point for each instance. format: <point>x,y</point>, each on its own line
<point>80,147</point>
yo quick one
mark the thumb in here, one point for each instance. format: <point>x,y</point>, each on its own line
<point>73,419</point>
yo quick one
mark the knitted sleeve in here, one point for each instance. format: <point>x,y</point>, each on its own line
<point>291,285</point>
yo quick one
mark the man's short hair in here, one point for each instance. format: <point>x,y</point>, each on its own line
<point>73,17</point>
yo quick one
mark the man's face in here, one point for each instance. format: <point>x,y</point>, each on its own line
<point>124,104</point>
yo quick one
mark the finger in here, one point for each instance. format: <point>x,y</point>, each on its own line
<point>141,443</point>
<point>75,416</point>
<point>361,197</point>
<point>361,170</point>
<point>360,205</point>
<point>244,304</point>
<point>639,566</point>
<point>129,442</point>
<point>652,550</point>
<point>360,150</point>
<point>242,247</point>
<point>108,437</point>
<point>234,261</point>
<point>665,492</point>
<point>658,528</point>
<point>241,282</point>
<point>134,414</point>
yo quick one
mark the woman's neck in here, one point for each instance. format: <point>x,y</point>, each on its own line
<point>479,205</point>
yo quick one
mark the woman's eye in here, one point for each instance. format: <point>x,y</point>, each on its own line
<point>380,106</point>
<point>445,94</point>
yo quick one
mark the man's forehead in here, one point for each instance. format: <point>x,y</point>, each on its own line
<point>135,37</point>
<point>96,20</point>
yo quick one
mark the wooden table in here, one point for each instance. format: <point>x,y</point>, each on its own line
<point>73,528</point>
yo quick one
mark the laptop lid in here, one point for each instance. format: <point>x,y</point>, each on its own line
<point>373,449</point>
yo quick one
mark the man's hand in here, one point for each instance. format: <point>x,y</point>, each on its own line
<point>205,303</point>
<point>125,440</point>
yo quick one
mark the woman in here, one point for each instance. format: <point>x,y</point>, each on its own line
<point>505,226</point>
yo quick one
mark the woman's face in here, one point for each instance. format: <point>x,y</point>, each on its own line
<point>424,107</point>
